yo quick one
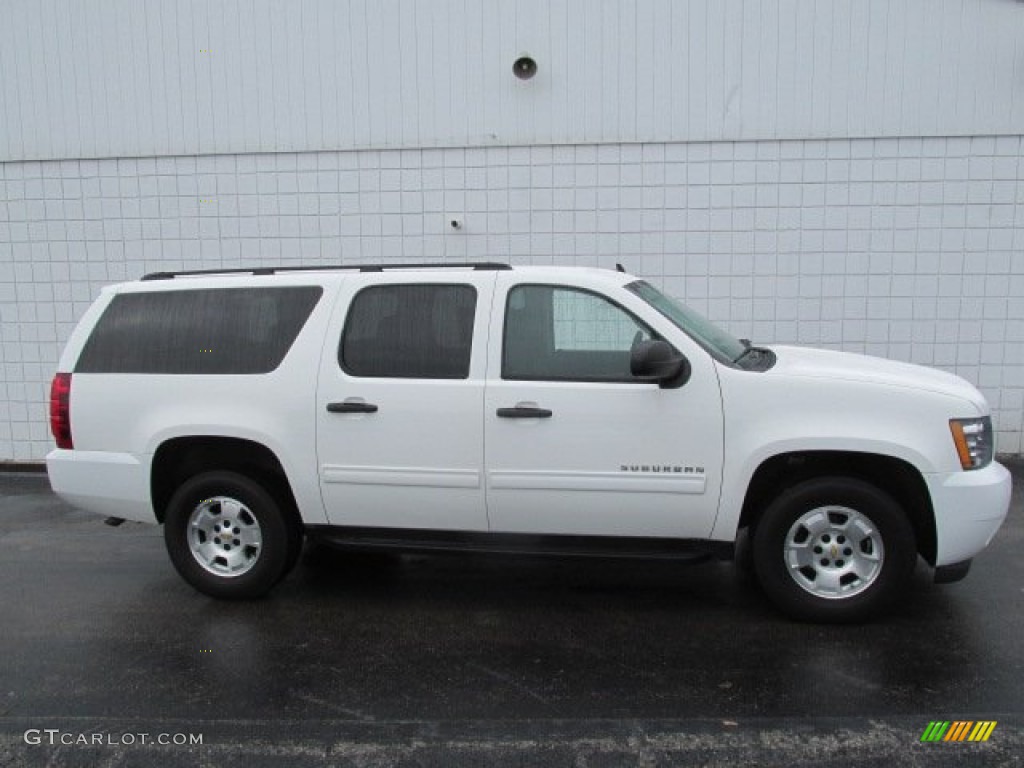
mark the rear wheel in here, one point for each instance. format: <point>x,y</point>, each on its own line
<point>228,537</point>
<point>833,549</point>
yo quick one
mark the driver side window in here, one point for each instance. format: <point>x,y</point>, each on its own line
<point>566,334</point>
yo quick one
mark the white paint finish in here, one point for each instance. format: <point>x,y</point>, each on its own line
<point>420,477</point>
<point>725,420</point>
<point>798,363</point>
<point>983,495</point>
<point>102,482</point>
<point>134,414</point>
<point>613,482</point>
<point>909,249</point>
<point>126,79</point>
<point>417,461</point>
<point>825,401</point>
<point>563,474</point>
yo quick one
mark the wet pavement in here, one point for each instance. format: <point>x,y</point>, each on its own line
<point>473,660</point>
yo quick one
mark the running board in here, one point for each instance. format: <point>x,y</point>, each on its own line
<point>407,540</point>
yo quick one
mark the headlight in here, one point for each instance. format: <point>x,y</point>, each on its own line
<point>973,439</point>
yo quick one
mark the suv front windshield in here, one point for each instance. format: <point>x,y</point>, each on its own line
<point>722,345</point>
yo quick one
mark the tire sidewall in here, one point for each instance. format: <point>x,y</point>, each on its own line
<point>275,549</point>
<point>888,517</point>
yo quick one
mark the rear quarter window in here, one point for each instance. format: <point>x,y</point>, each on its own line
<point>212,331</point>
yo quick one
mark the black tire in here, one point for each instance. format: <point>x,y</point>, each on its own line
<point>876,541</point>
<point>296,542</point>
<point>296,538</point>
<point>743,556</point>
<point>260,567</point>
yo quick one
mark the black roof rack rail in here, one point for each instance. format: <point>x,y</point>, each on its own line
<point>475,265</point>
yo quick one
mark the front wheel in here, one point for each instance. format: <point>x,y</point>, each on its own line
<point>227,536</point>
<point>833,549</point>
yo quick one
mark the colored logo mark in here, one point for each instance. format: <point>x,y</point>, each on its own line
<point>958,730</point>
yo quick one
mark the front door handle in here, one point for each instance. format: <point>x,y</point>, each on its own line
<point>524,412</point>
<point>351,407</point>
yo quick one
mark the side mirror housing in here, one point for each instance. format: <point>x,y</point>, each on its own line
<point>658,361</point>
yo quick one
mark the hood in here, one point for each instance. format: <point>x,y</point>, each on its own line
<point>806,362</point>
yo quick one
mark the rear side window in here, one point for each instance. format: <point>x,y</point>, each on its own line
<point>220,330</point>
<point>422,331</point>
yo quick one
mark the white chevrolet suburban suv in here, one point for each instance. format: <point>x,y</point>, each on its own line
<point>490,408</point>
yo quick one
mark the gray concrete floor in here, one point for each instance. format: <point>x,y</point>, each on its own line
<point>471,660</point>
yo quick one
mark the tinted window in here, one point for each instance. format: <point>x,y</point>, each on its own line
<point>409,332</point>
<point>563,334</point>
<point>221,330</point>
<point>719,343</point>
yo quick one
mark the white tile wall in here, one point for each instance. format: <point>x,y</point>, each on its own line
<point>906,248</point>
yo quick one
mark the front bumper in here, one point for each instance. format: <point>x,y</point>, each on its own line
<point>109,484</point>
<point>969,507</point>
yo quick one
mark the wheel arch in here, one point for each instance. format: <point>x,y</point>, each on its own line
<point>179,458</point>
<point>895,476</point>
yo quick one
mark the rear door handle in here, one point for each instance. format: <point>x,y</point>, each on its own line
<point>351,407</point>
<point>524,412</point>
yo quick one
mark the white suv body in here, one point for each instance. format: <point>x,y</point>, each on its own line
<point>494,407</point>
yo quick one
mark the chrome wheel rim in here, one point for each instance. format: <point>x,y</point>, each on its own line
<point>834,552</point>
<point>224,536</point>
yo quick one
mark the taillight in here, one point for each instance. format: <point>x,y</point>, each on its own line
<point>60,410</point>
